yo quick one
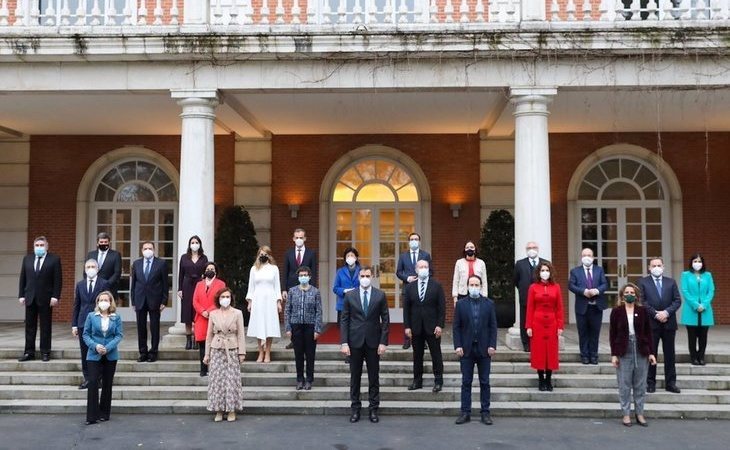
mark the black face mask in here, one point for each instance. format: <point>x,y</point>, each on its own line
<point>209,274</point>
<point>104,248</point>
<point>470,252</point>
<point>263,258</point>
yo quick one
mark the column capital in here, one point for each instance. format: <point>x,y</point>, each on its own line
<point>532,100</point>
<point>197,103</point>
<point>203,94</point>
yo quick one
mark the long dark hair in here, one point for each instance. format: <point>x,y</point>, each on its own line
<point>190,250</point>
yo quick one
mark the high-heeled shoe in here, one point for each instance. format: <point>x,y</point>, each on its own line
<point>267,357</point>
<point>640,423</point>
<point>260,357</point>
<point>188,342</point>
<point>218,417</point>
<point>625,423</point>
<point>231,416</point>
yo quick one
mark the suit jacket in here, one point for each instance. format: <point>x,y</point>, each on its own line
<point>85,303</point>
<point>422,317</point>
<point>41,287</point>
<point>309,259</point>
<point>358,329</point>
<point>578,283</point>
<point>151,291</point>
<point>111,270</point>
<point>93,335</point>
<point>486,331</point>
<point>406,268</point>
<point>618,334</point>
<point>670,301</point>
<point>524,276</point>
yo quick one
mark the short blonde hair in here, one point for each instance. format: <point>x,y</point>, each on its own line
<point>112,302</point>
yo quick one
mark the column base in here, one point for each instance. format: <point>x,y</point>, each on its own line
<point>175,337</point>
<point>512,338</point>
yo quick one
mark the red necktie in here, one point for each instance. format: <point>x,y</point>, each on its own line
<point>299,257</point>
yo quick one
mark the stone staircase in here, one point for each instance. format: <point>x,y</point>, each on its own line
<point>172,385</point>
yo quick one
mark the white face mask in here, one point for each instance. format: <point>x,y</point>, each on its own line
<point>587,261</point>
<point>195,247</point>
<point>423,273</point>
<point>365,282</point>
<point>532,254</point>
<point>91,273</point>
<point>657,271</point>
<point>351,260</point>
<point>225,302</point>
<point>697,266</point>
<point>104,305</point>
<point>298,242</point>
<point>474,291</point>
<point>413,244</point>
<point>148,253</point>
<point>545,275</point>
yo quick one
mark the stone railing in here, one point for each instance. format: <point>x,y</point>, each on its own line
<point>344,14</point>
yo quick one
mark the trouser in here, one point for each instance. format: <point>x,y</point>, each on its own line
<point>33,314</point>
<point>201,352</point>
<point>96,408</point>
<point>305,347</point>
<point>589,331</point>
<point>631,375</point>
<point>523,331</point>
<point>666,335</point>
<point>483,363</point>
<point>372,359</point>
<point>697,335</point>
<point>434,347</point>
<point>142,330</point>
<point>84,350</point>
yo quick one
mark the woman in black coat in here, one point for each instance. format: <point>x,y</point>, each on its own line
<point>192,266</point>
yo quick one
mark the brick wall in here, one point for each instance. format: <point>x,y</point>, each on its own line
<point>455,176</point>
<point>57,165</point>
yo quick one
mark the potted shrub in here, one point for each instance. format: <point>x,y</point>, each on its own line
<point>496,248</point>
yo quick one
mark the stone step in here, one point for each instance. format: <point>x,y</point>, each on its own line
<point>342,408</point>
<point>288,393</point>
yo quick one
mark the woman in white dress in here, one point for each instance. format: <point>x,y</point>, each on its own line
<point>264,302</point>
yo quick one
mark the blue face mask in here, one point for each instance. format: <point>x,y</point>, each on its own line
<point>40,251</point>
<point>413,244</point>
<point>474,291</point>
<point>304,280</point>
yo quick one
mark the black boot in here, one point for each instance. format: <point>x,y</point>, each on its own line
<point>548,380</point>
<point>188,342</point>
<point>541,380</point>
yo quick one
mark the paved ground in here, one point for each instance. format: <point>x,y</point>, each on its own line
<point>334,432</point>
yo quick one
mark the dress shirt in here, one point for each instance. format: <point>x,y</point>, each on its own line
<point>630,317</point>
<point>35,262</point>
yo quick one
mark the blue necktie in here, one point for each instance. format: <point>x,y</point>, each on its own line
<point>422,290</point>
<point>147,269</point>
<point>365,302</point>
<point>658,283</point>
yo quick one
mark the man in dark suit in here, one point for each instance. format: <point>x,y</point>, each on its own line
<point>524,276</point>
<point>589,284</point>
<point>295,258</point>
<point>149,289</point>
<point>364,337</point>
<point>109,261</point>
<point>424,313</point>
<point>662,300</point>
<point>475,342</point>
<point>39,291</point>
<point>406,268</point>
<point>84,302</point>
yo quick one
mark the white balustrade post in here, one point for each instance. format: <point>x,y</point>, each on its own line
<point>197,173</point>
<point>4,13</point>
<point>196,12</point>
<point>533,10</point>
<point>532,179</point>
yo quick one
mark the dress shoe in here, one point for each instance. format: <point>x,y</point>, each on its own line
<point>374,416</point>
<point>103,419</point>
<point>218,417</point>
<point>673,389</point>
<point>231,416</point>
<point>437,387</point>
<point>300,385</point>
<point>701,361</point>
<point>204,373</point>
<point>486,419</point>
<point>548,385</point>
<point>406,345</point>
<point>526,348</point>
<point>355,417</point>
<point>464,418</point>
<point>626,424</point>
<point>594,361</point>
<point>541,386</point>
<point>307,385</point>
<point>695,362</point>
<point>641,424</point>
<point>415,385</point>
<point>152,358</point>
<point>289,346</point>
<point>26,357</point>
<point>347,360</point>
<point>650,388</point>
<point>45,357</point>
<point>584,360</point>
<point>90,422</point>
<point>142,358</point>
<point>84,385</point>
<point>189,342</point>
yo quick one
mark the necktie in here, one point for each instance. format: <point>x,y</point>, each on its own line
<point>365,302</point>
<point>102,255</point>
<point>589,278</point>
<point>532,263</point>
<point>658,283</point>
<point>37,264</point>
<point>422,291</point>
<point>147,269</point>
<point>299,257</point>
<point>91,287</point>
<point>413,258</point>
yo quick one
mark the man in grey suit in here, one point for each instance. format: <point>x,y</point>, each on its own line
<point>364,337</point>
<point>524,276</point>
<point>149,289</point>
<point>109,261</point>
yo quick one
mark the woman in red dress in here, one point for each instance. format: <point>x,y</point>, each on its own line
<point>204,303</point>
<point>544,324</point>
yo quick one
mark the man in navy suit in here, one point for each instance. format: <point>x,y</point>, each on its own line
<point>524,276</point>
<point>84,302</point>
<point>39,291</point>
<point>295,258</point>
<point>149,289</point>
<point>588,283</point>
<point>475,342</point>
<point>662,300</point>
<point>406,269</point>
<point>109,262</point>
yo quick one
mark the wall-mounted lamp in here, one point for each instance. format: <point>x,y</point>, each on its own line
<point>455,208</point>
<point>293,211</point>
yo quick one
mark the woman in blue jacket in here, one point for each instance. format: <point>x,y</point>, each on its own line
<point>102,334</point>
<point>698,289</point>
<point>347,278</point>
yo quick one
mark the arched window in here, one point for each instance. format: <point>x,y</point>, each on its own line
<point>375,181</point>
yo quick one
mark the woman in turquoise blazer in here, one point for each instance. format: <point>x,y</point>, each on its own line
<point>102,334</point>
<point>698,289</point>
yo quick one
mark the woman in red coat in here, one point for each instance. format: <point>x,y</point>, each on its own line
<point>544,324</point>
<point>204,303</point>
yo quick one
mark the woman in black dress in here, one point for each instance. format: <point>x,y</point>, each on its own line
<point>192,266</point>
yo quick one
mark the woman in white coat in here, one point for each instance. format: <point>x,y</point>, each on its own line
<point>264,302</point>
<point>464,268</point>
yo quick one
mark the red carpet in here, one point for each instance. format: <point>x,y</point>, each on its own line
<point>331,334</point>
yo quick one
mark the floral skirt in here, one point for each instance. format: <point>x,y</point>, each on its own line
<point>225,392</point>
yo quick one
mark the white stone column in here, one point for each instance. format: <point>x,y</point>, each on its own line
<point>532,180</point>
<point>197,174</point>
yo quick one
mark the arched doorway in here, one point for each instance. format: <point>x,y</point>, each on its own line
<point>623,209</point>
<point>373,198</point>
